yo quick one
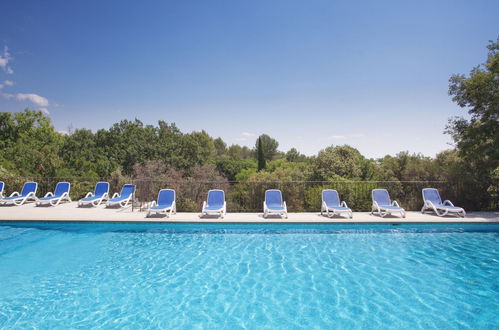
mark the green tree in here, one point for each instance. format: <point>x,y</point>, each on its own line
<point>269,146</point>
<point>236,151</point>
<point>231,167</point>
<point>260,154</point>
<point>341,161</point>
<point>477,138</point>
<point>220,146</point>
<point>294,156</point>
<point>205,146</point>
<point>29,144</point>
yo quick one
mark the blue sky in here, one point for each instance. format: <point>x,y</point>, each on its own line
<point>372,74</point>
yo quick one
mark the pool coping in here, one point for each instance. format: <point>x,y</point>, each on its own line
<point>69,212</point>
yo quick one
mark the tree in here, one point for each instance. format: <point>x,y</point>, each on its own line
<point>294,156</point>
<point>235,151</point>
<point>269,146</point>
<point>260,154</point>
<point>477,138</point>
<point>29,144</point>
<point>231,167</point>
<point>220,146</point>
<point>479,93</point>
<point>341,161</point>
<point>206,147</point>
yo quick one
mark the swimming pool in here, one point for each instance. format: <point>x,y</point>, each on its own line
<point>68,275</point>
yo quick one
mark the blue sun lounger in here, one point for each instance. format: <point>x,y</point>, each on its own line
<point>100,194</point>
<point>215,203</point>
<point>432,201</point>
<point>28,193</point>
<point>274,204</point>
<point>331,204</point>
<point>382,205</point>
<point>2,185</point>
<point>60,194</point>
<point>165,203</point>
<point>124,197</point>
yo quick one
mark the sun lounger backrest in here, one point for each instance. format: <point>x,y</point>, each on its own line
<point>381,197</point>
<point>61,188</point>
<point>29,187</point>
<point>127,190</point>
<point>273,197</point>
<point>166,197</point>
<point>432,195</point>
<point>1,186</point>
<point>331,197</point>
<point>216,198</point>
<point>101,188</point>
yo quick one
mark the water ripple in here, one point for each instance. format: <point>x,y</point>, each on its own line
<point>134,279</point>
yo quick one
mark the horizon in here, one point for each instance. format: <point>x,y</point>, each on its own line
<point>308,75</point>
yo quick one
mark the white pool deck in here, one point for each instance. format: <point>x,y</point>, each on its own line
<point>71,212</point>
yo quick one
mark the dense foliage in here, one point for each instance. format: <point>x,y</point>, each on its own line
<point>195,162</point>
<point>477,139</point>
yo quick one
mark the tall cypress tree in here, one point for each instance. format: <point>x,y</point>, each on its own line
<point>261,156</point>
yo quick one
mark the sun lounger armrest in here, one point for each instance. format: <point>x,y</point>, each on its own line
<point>285,207</point>
<point>15,193</point>
<point>115,195</point>
<point>394,203</point>
<point>49,194</point>
<point>153,204</point>
<point>448,202</point>
<point>204,205</point>
<point>344,204</point>
<point>89,194</point>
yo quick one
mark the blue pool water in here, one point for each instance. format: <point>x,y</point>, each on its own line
<point>249,276</point>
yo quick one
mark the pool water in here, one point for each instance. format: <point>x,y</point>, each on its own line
<point>248,276</point>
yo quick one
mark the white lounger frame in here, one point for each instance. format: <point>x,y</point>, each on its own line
<point>21,200</point>
<point>382,212</point>
<point>441,211</point>
<point>330,212</point>
<point>168,211</point>
<point>220,212</point>
<point>122,203</point>
<point>53,201</point>
<point>95,202</point>
<point>267,211</point>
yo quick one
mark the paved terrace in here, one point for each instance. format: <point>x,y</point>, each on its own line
<point>71,212</point>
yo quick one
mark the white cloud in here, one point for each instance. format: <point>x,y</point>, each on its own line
<point>6,83</point>
<point>40,101</point>
<point>247,134</point>
<point>4,61</point>
<point>345,137</point>
<point>34,98</point>
<point>337,137</point>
